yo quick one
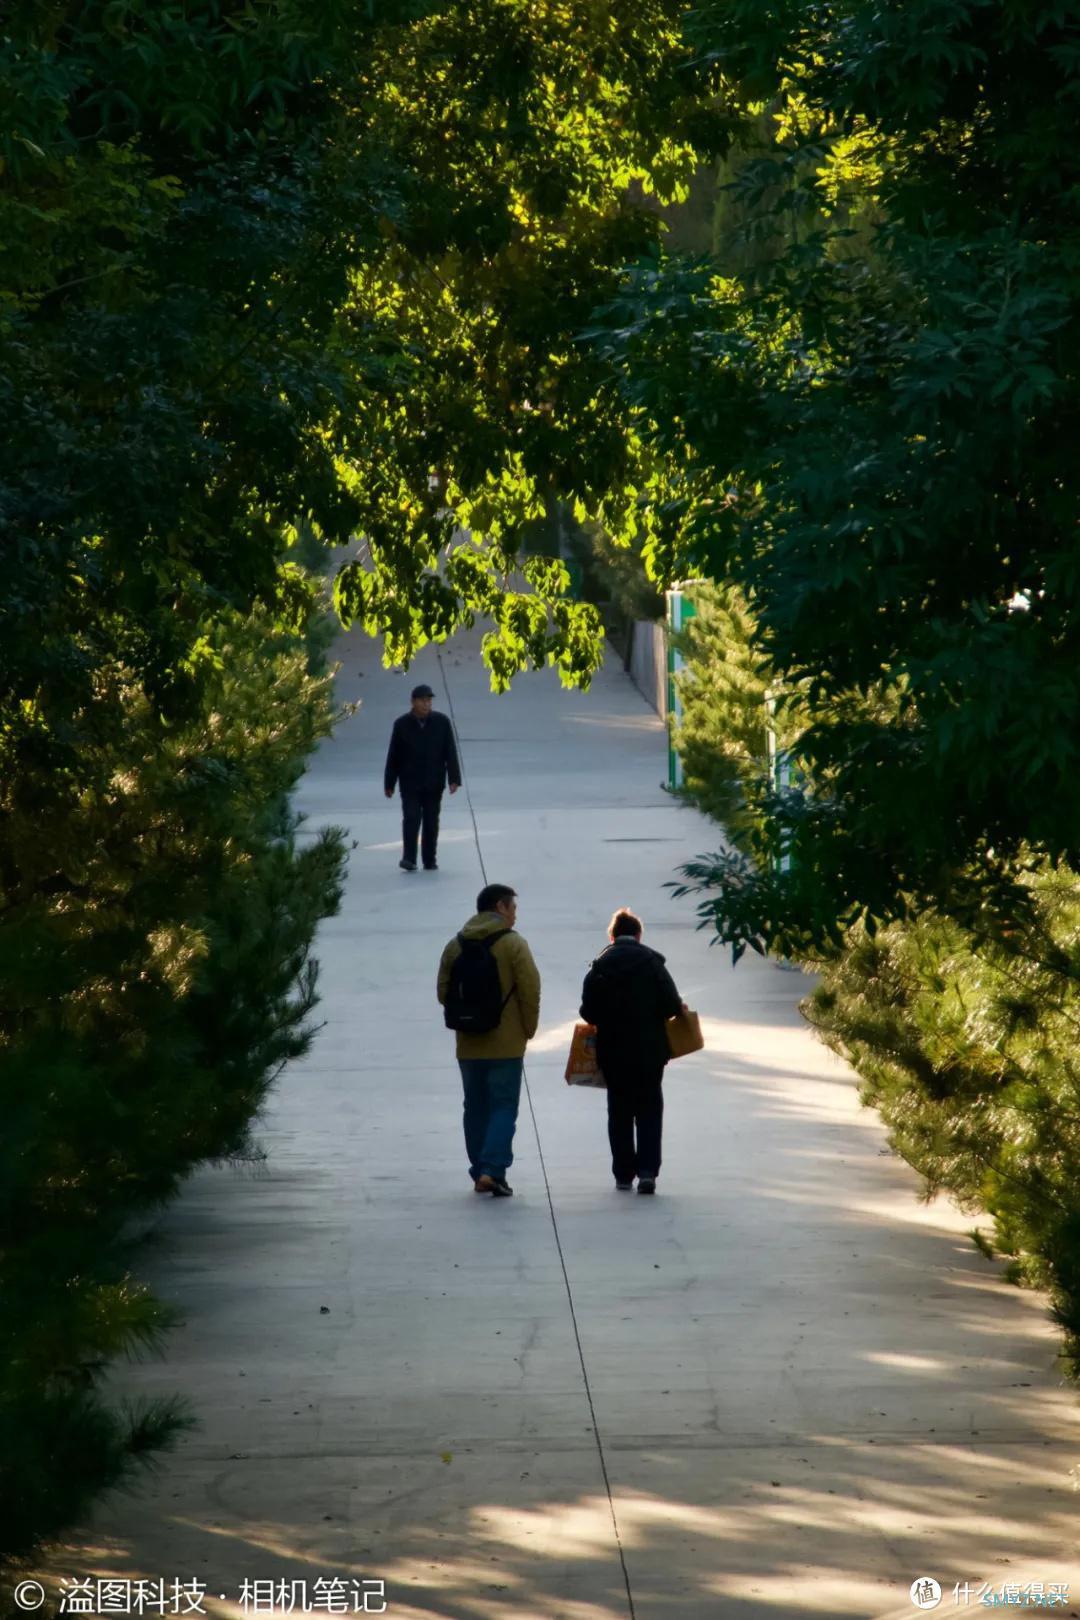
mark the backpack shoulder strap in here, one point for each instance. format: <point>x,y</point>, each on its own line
<point>489,942</point>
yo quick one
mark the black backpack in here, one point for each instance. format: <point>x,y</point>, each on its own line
<point>474,998</point>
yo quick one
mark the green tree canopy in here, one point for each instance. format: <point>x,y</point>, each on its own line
<point>275,271</point>
<point>285,261</point>
<point>870,430</point>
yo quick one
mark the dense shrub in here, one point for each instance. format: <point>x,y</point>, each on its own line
<point>967,1048</point>
<point>154,977</point>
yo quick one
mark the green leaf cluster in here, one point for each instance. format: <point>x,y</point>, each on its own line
<point>520,135</point>
<point>278,275</point>
<point>962,1023</point>
<point>867,418</point>
<point>866,399</point>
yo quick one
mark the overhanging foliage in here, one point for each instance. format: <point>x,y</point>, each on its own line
<point>273,268</point>
<point>870,430</point>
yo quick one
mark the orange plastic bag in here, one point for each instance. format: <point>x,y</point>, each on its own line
<point>582,1069</point>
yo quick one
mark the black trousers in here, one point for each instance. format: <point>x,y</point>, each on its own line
<point>420,810</point>
<point>635,1104</point>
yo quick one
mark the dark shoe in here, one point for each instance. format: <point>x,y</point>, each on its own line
<point>407,866</point>
<point>495,1185</point>
<point>624,1186</point>
<point>646,1184</point>
<point>431,866</point>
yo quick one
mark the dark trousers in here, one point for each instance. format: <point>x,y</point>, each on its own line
<point>420,811</point>
<point>635,1104</point>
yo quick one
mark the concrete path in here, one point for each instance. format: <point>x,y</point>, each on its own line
<point>782,1386</point>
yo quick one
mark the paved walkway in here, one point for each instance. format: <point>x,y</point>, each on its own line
<point>782,1386</point>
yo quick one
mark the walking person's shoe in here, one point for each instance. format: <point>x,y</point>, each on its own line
<point>407,866</point>
<point>646,1184</point>
<point>431,866</point>
<point>497,1186</point>
<point>624,1186</point>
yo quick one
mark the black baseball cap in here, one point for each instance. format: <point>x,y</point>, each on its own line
<point>421,691</point>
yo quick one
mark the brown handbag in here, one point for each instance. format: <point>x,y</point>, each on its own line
<point>684,1034</point>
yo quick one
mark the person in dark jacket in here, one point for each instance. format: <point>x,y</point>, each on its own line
<point>423,759</point>
<point>629,995</point>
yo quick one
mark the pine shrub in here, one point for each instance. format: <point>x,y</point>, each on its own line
<point>967,1048</point>
<point>722,736</point>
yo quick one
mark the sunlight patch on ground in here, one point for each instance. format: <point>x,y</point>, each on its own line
<point>912,1364</point>
<point>819,1592</point>
<point>267,1538</point>
<point>615,722</point>
<point>554,1039</point>
<point>565,1529</point>
<point>445,837</point>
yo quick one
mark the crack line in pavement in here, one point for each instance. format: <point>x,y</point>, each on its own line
<point>547,1187</point>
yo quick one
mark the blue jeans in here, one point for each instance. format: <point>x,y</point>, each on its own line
<point>492,1089</point>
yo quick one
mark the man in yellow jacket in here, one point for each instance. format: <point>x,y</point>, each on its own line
<point>489,989</point>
